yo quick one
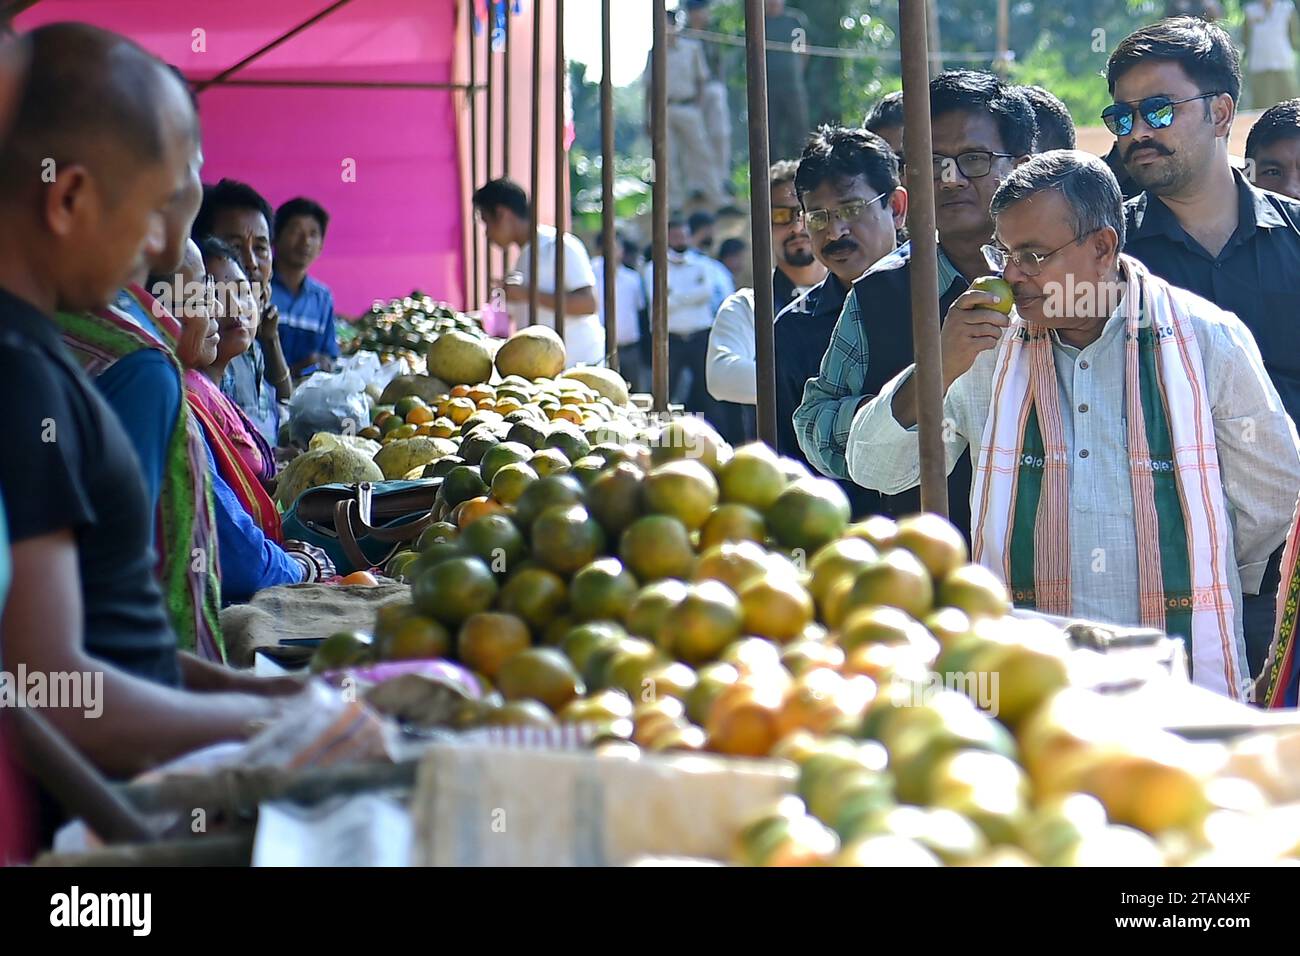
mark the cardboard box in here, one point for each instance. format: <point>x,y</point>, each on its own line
<point>485,806</point>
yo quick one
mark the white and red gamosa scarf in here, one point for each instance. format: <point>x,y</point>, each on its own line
<point>1021,496</point>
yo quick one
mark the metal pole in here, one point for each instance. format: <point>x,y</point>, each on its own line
<point>472,271</point>
<point>659,159</point>
<point>561,170</point>
<point>505,91</point>
<point>534,260</point>
<point>607,211</point>
<point>74,782</point>
<point>925,258</point>
<point>1003,65</point>
<point>760,205</point>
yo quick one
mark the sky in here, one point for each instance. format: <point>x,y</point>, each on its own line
<point>630,41</point>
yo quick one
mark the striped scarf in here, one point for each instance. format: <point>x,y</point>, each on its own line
<point>1020,500</point>
<point>1280,682</point>
<point>186,538</point>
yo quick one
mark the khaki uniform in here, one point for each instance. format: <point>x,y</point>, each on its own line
<point>692,158</point>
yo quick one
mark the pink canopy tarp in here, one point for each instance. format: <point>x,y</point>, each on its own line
<point>391,165</point>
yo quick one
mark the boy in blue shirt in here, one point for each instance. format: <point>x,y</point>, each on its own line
<point>307,335</point>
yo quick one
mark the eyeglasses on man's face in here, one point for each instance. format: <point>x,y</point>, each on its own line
<point>973,164</point>
<point>1158,111</point>
<point>849,212</point>
<point>786,215</point>
<point>1029,263</point>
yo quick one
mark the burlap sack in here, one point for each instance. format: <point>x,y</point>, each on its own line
<point>303,610</point>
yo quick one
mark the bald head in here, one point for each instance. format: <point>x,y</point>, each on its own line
<point>99,171</point>
<point>90,98</point>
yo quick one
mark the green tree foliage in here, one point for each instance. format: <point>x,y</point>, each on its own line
<point>1058,44</point>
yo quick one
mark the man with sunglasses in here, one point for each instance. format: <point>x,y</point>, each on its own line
<point>731,369</point>
<point>848,184</point>
<point>980,129</point>
<point>1202,225</point>
<point>1116,477</point>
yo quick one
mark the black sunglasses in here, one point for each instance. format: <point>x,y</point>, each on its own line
<point>1158,111</point>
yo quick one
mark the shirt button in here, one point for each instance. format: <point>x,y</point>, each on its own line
<point>1083,407</point>
<point>1083,364</point>
<point>1083,453</point>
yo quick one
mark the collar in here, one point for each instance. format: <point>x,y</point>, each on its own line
<point>308,284</point>
<point>1255,209</point>
<point>20,315</point>
<point>948,273</point>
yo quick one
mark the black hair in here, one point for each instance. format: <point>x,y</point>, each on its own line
<point>1055,124</point>
<point>730,247</point>
<point>838,153</point>
<point>86,93</point>
<point>300,206</point>
<point>973,92</point>
<point>1204,51</point>
<point>1275,123</point>
<point>217,249</point>
<point>677,222</point>
<point>504,192</point>
<point>229,194</point>
<point>700,219</point>
<point>886,112</point>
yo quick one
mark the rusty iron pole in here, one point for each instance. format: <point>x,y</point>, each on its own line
<point>760,205</point>
<point>534,259</point>
<point>659,201</point>
<point>925,257</point>
<point>561,170</point>
<point>608,221</point>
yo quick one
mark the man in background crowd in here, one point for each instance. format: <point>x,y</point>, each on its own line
<point>1055,125</point>
<point>630,312</point>
<point>692,157</point>
<point>701,225</point>
<point>732,369</point>
<point>691,285</point>
<point>735,256</point>
<point>787,98</point>
<point>1273,149</point>
<point>717,117</point>
<point>503,207</point>
<point>307,333</point>
<point>1270,35</point>
<point>848,186</point>
<point>885,119</point>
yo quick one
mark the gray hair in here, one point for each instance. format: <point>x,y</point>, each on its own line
<point>1084,181</point>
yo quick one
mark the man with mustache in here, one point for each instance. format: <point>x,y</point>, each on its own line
<point>848,189</point>
<point>1114,479</point>
<point>1204,226</point>
<point>980,130</point>
<point>732,368</point>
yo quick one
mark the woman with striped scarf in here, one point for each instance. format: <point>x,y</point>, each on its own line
<point>1134,464</point>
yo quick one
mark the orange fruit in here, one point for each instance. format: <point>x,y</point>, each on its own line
<point>460,409</point>
<point>363,578</point>
<point>470,511</point>
<point>488,639</point>
<point>745,719</point>
<point>420,415</point>
<point>460,391</point>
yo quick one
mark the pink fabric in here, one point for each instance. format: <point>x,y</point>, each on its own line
<point>227,416</point>
<point>398,226</point>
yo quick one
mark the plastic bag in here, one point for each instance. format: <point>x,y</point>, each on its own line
<point>329,402</point>
<point>374,372</point>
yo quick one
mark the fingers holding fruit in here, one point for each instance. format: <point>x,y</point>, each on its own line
<point>974,324</point>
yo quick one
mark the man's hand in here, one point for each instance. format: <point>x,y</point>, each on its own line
<point>971,327</point>
<point>269,327</point>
